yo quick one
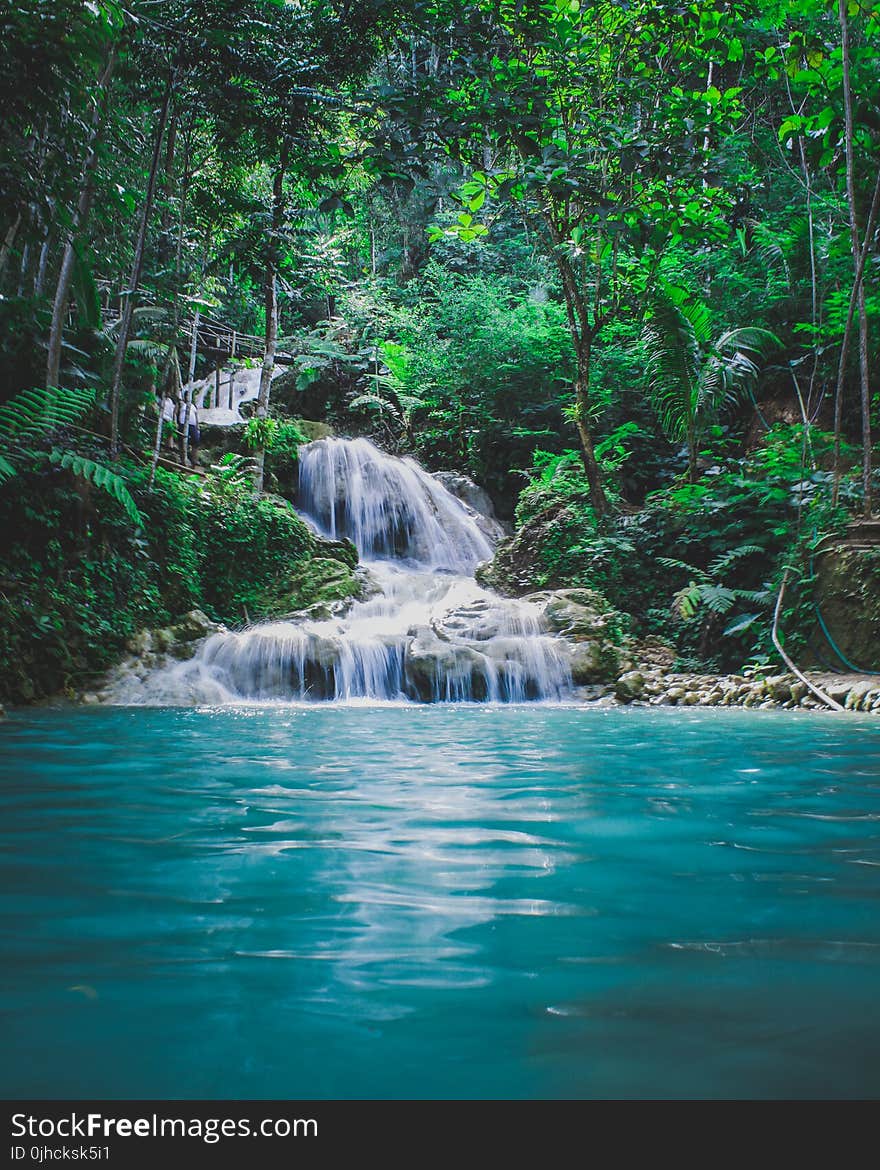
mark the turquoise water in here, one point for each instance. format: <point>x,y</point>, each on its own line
<point>438,902</point>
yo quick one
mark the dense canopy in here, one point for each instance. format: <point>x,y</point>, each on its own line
<point>616,262</point>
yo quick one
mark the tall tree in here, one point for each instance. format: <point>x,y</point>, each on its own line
<point>600,122</point>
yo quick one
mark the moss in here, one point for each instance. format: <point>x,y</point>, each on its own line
<point>848,597</point>
<point>323,579</point>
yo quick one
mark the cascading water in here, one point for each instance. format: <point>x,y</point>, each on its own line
<point>429,633</point>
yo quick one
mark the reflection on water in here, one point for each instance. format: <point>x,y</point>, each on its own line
<point>433,902</point>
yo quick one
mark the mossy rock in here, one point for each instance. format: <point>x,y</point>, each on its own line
<point>337,550</point>
<point>594,662</point>
<point>323,579</point>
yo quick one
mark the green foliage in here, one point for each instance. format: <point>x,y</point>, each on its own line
<point>259,434</point>
<point>691,374</point>
<point>34,416</point>
<point>477,372</point>
<point>699,563</point>
<point>79,578</point>
<point>101,477</point>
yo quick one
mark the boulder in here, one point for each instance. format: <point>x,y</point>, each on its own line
<point>593,662</point>
<point>193,626</point>
<point>857,694</point>
<point>337,550</point>
<point>432,664</point>
<point>630,686</point>
<point>576,614</point>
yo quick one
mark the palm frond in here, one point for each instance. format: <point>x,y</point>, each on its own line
<point>672,349</point>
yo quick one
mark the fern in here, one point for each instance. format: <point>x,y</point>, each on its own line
<point>6,470</point>
<point>373,402</point>
<point>725,560</point>
<point>681,566</point>
<point>102,477</point>
<point>35,414</point>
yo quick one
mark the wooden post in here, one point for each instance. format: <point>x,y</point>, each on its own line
<point>232,352</point>
<point>231,386</point>
<point>217,387</point>
<point>193,347</point>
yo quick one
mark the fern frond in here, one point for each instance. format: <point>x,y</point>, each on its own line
<point>36,413</point>
<point>718,598</point>
<point>154,350</point>
<point>7,470</point>
<point>726,559</point>
<point>686,601</point>
<point>681,566</point>
<point>101,477</point>
<point>374,402</point>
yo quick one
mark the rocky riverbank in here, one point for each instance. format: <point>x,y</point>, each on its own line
<point>661,688</point>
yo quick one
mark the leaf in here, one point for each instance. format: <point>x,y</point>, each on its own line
<point>741,624</point>
<point>101,477</point>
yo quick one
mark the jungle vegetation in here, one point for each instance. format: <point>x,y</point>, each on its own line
<point>615,261</point>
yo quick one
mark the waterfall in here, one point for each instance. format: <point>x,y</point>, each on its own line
<point>388,507</point>
<point>429,632</point>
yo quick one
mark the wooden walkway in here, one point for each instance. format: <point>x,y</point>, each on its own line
<point>217,341</point>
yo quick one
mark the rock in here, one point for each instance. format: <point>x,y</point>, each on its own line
<point>779,687</point>
<point>162,639</point>
<point>193,626</point>
<point>90,698</point>
<point>652,652</point>
<point>471,494</point>
<point>630,686</point>
<point>322,579</point>
<point>798,690</point>
<point>140,643</point>
<point>432,666</point>
<point>337,550</point>
<point>838,690</point>
<point>313,430</point>
<point>590,694</point>
<point>856,694</point>
<point>576,614</point>
<point>593,662</point>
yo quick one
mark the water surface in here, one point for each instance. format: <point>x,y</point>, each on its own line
<point>397,902</point>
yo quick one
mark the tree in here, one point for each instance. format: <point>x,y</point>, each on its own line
<point>599,122</point>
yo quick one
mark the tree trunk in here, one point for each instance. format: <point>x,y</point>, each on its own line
<point>137,266</point>
<point>166,191</point>
<point>864,374</point>
<point>847,331</point>
<point>692,451</point>
<point>582,333</point>
<point>272,254</point>
<point>598,498</point>
<point>8,241</point>
<point>80,218</point>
